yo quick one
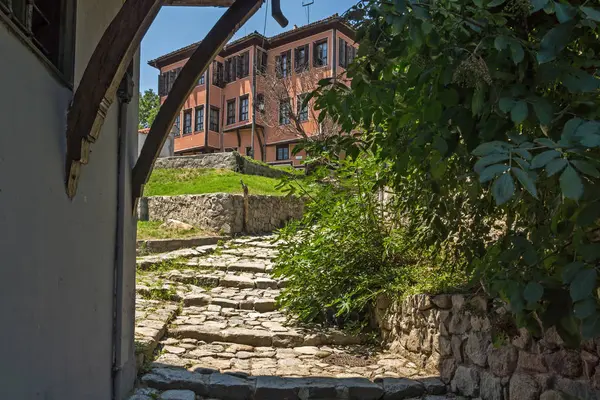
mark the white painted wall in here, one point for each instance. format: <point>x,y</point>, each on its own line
<point>57,256</point>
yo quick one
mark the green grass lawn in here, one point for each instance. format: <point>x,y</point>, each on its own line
<point>153,230</point>
<point>172,182</point>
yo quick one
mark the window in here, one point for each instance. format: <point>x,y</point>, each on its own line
<point>231,112</point>
<point>283,64</point>
<point>243,65</point>
<point>260,103</point>
<point>301,58</point>
<point>47,25</point>
<point>249,151</point>
<point>302,111</point>
<point>347,53</point>
<point>261,62</point>
<point>230,65</point>
<point>214,119</point>
<point>176,125</point>
<point>244,108</point>
<point>187,122</point>
<point>320,53</point>
<point>199,119</point>
<point>283,152</point>
<point>217,77</point>
<point>201,80</point>
<point>166,81</point>
<point>284,112</point>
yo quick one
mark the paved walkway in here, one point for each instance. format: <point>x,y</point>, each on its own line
<point>208,327</point>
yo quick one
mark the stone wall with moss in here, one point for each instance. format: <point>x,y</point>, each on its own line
<point>477,351</point>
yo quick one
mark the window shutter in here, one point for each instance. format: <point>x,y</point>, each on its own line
<point>288,63</point>
<point>161,83</point>
<point>342,53</point>
<point>306,56</point>
<point>296,64</point>
<point>315,55</point>
<point>278,66</point>
<point>264,61</point>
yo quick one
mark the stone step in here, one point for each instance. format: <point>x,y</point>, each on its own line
<point>238,387</point>
<point>257,300</point>
<point>224,279</point>
<point>151,320</point>
<point>252,252</point>
<point>146,262</point>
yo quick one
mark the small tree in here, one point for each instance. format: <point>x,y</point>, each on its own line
<point>149,106</point>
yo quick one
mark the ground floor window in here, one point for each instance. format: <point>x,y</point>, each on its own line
<point>283,152</point>
<point>187,122</point>
<point>199,119</point>
<point>249,151</point>
<point>214,119</point>
<point>177,125</point>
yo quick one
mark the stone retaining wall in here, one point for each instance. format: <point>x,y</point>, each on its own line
<point>231,160</point>
<point>222,212</point>
<point>453,336</point>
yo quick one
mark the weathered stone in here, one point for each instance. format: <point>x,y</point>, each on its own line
<point>360,389</point>
<point>445,347</point>
<point>423,302</point>
<point>466,381</point>
<point>590,361</point>
<point>552,395</point>
<point>523,340</point>
<point>458,301</point>
<point>266,283</point>
<point>442,301</point>
<point>523,387</point>
<point>502,360</point>
<point>476,348</point>
<point>398,389</point>
<point>565,362</point>
<point>490,387</point>
<point>178,395</point>
<point>480,324</point>
<point>552,339</point>
<point>307,350</point>
<point>197,300</point>
<point>460,323</point>
<point>265,305</point>
<point>447,369</point>
<point>413,341</point>
<point>225,386</point>
<point>225,303</point>
<point>176,379</point>
<point>433,385</point>
<point>479,303</point>
<point>237,282</point>
<point>457,348</point>
<point>531,363</point>
<point>578,389</point>
<point>287,339</point>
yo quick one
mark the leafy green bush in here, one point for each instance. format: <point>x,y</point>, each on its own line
<point>490,110</point>
<point>348,249</point>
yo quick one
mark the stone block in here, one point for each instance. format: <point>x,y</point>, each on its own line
<point>460,323</point>
<point>447,369</point>
<point>565,362</point>
<point>466,381</point>
<point>590,361</point>
<point>490,387</point>
<point>229,387</point>
<point>265,305</point>
<point>443,301</point>
<point>456,343</point>
<point>578,389</point>
<point>433,385</point>
<point>458,301</point>
<point>401,388</point>
<point>502,360</point>
<point>523,387</point>
<point>532,363</point>
<point>178,395</point>
<point>476,348</point>
<point>176,379</point>
<point>552,395</point>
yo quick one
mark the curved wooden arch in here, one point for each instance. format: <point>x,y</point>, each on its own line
<point>224,29</point>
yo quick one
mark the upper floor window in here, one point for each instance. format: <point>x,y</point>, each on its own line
<point>166,81</point>
<point>347,53</point>
<point>176,125</point>
<point>283,64</point>
<point>243,65</point>
<point>217,73</point>
<point>301,58</point>
<point>302,111</point>
<point>283,152</point>
<point>261,62</point>
<point>284,112</point>
<point>187,122</point>
<point>244,108</point>
<point>231,112</point>
<point>230,67</point>
<point>320,53</point>
<point>260,103</point>
<point>199,119</point>
<point>201,80</point>
<point>214,119</point>
<point>48,26</point>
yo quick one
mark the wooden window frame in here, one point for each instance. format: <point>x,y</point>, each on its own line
<point>199,123</point>
<point>285,119</point>
<point>281,70</point>
<point>187,128</point>
<point>230,116</point>
<point>245,98</point>
<point>302,113</point>
<point>317,60</point>
<point>217,124</point>
<point>177,125</point>
<point>279,147</point>
<point>305,65</point>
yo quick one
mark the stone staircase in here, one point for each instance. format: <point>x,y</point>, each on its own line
<point>208,327</point>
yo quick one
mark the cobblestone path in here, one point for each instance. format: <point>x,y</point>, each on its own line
<point>207,327</point>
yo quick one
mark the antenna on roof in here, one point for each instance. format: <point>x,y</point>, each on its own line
<point>307,4</point>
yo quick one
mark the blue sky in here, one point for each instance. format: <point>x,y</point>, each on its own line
<point>176,27</point>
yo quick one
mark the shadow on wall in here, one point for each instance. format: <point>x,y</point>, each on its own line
<point>480,354</point>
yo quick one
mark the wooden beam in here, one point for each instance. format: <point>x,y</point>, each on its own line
<point>101,78</point>
<point>214,41</point>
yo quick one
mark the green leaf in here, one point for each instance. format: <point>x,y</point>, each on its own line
<point>578,81</point>
<point>571,127</point>
<point>525,180</point>
<point>400,6</point>
<point>516,52</point>
<point>506,104</point>
<point>449,97</point>
<point>570,271</point>
<point>495,3</point>
<point>555,166</point>
<point>564,12</point>
<point>546,142</point>
<point>590,327</point>
<point>433,111</point>
<point>491,172</point>
<point>426,27</point>
<point>544,158</point>
<point>519,112</point>
<point>478,101</point>
<point>490,147</point>
<point>590,252</point>
<point>554,41</point>
<point>523,153</point>
<point>589,134</point>
<point>570,184</point>
<point>537,5</point>
<point>543,110</point>
<point>586,168</point>
<point>583,284</point>
<point>503,189</point>
<point>489,160</point>
<point>584,308</point>
<point>501,42</point>
<point>533,292</point>
<point>591,13</point>
<point>589,215</point>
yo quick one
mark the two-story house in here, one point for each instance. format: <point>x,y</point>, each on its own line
<point>232,106</point>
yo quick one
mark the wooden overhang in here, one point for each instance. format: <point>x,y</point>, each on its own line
<point>109,62</point>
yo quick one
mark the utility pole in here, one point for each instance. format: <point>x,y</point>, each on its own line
<point>307,4</point>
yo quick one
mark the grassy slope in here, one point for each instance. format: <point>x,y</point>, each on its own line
<point>171,182</point>
<point>153,230</point>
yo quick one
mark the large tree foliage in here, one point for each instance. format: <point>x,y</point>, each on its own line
<point>488,112</point>
<point>149,106</point>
